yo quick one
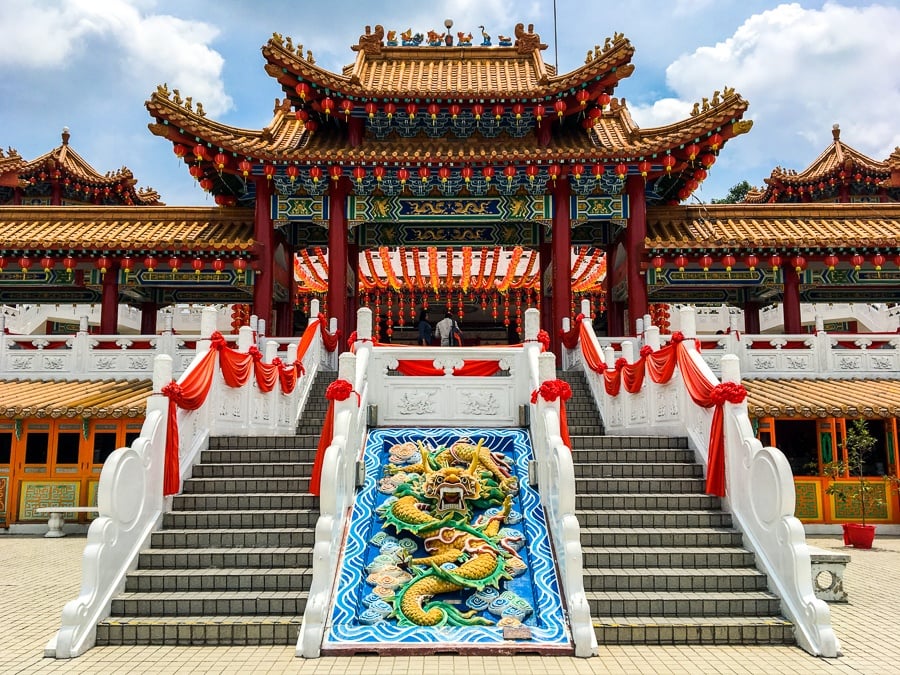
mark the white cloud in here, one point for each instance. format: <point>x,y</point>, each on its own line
<point>802,70</point>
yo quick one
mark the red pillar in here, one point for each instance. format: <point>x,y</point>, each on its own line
<point>337,253</point>
<point>149,309</point>
<point>352,286</point>
<point>109,302</point>
<point>561,263</point>
<point>635,251</point>
<point>751,317</point>
<point>263,278</point>
<point>791,301</point>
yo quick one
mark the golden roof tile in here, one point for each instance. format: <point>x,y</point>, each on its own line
<point>99,399</point>
<point>130,228</point>
<point>773,226</point>
<point>815,398</point>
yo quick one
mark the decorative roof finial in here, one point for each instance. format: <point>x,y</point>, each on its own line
<point>65,136</point>
<point>836,132</point>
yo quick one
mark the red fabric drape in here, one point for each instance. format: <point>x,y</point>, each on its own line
<point>661,364</point>
<point>315,481</point>
<point>570,339</point>
<point>190,395</point>
<point>612,381</point>
<point>564,424</point>
<point>328,340</point>
<point>552,390</point>
<point>633,376</point>
<point>424,368</point>
<point>592,357</point>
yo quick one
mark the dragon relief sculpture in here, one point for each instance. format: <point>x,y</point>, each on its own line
<point>457,503</point>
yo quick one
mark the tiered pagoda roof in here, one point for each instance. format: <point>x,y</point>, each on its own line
<point>839,167</point>
<point>458,113</point>
<point>79,182</point>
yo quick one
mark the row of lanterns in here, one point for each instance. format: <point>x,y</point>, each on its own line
<point>797,262</point>
<point>126,264</point>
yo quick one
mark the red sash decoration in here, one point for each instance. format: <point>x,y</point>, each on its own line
<point>339,390</point>
<point>550,391</point>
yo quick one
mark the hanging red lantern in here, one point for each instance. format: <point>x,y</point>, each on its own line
<point>68,262</point>
<point>857,260</point>
<point>700,175</point>
<point>593,115</point>
<point>578,171</point>
<point>220,161</point>
<point>371,108</point>
<point>200,152</point>
<point>455,109</point>
<point>582,97</point>
<point>658,262</point>
<point>424,173</point>
<point>225,200</point>
<point>292,172</point>
<point>510,172</point>
<point>335,172</point>
<point>644,167</point>
<point>245,167</point>
<point>532,171</point>
<point>477,111</point>
<point>878,261</point>
<point>831,261</point>
<point>798,262</point>
<point>728,261</point>
<point>150,263</point>
<point>3,264</point>
<point>621,171</point>
<point>433,110</point>
<point>518,110</point>
<point>554,171</point>
<point>196,171</point>
<point>197,264</point>
<point>751,261</point>
<point>269,170</point>
<point>775,262</point>
<point>240,266</point>
<point>706,262</point>
<point>206,184</point>
<point>174,263</point>
<point>466,172</point>
<point>327,105</point>
<point>102,263</point>
<point>411,110</point>
<point>218,265</point>
<point>47,263</point>
<point>390,109</point>
<point>301,115</point>
<point>681,261</point>
<point>315,173</point>
<point>539,111</point>
<point>692,151</point>
<point>604,99</point>
<point>444,174</point>
<point>668,162</point>
<point>359,173</point>
<point>179,150</point>
<point>311,126</point>
<point>127,265</point>
<point>378,172</point>
<point>488,173</point>
<point>498,111</point>
<point>403,175</point>
<point>715,141</point>
<point>560,108</point>
<point>303,90</point>
<point>347,109</point>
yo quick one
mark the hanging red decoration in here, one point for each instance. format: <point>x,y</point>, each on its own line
<point>798,262</point>
<point>644,168</point>
<point>335,172</point>
<point>455,109</point>
<point>560,108</point>
<point>403,175</point>
<point>303,90</point>
<point>751,261</point>
<point>292,172</point>
<point>539,112</point>
<point>477,111</point>
<point>179,150</point>
<point>301,115</point>
<point>692,151</point>
<point>621,171</point>
<point>681,261</point>
<point>269,170</point>
<point>359,173</point>
<point>857,260</point>
<point>150,263</point>
<point>315,173</point>
<point>700,175</point>
<point>378,172</point>
<point>604,99</point>
<point>411,110</point>
<point>240,266</point>
<point>728,261</point>
<point>466,172</point>
<point>706,262</point>
<point>532,171</point>
<point>488,173</point>
<point>715,141</point>
<point>197,264</point>
<point>498,111</point>
<point>554,171</point>
<point>196,171</point>
<point>775,262</point>
<point>220,161</point>
<point>582,97</point>
<point>68,262</point>
<point>3,264</point>
<point>510,172</point>
<point>102,263</point>
<point>347,109</point>
<point>206,184</point>
<point>444,174</point>
<point>668,162</point>
<point>831,261</point>
<point>174,263</point>
<point>578,171</point>
<point>47,263</point>
<point>218,265</point>
<point>878,261</point>
<point>200,152</point>
<point>311,126</point>
<point>327,105</point>
<point>371,108</point>
<point>433,110</point>
<point>424,173</point>
<point>658,262</point>
<point>245,167</point>
<point>518,110</point>
<point>390,109</point>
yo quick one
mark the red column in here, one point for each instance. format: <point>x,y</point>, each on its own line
<point>263,278</point>
<point>561,263</point>
<point>545,259</point>
<point>337,253</point>
<point>751,317</point>
<point>353,285</point>
<point>109,303</point>
<point>148,317</point>
<point>614,310</point>
<point>791,301</point>
<point>635,253</point>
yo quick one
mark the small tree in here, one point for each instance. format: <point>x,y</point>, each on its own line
<point>736,194</point>
<point>867,493</point>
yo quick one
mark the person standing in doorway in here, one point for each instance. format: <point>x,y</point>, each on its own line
<point>444,328</point>
<point>425,331</point>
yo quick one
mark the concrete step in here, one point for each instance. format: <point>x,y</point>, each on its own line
<point>196,486</point>
<point>652,630</point>
<point>677,557</point>
<point>219,580</point>
<point>651,502</point>
<point>255,442</point>
<point>202,603</point>
<point>232,520</point>
<point>225,558</point>
<point>298,467</point>
<point>659,518</point>
<point>664,537</point>
<point>260,501</point>
<point>657,486</point>
<point>638,470</point>
<point>199,630</point>
<point>304,451</point>
<point>654,579</point>
<point>680,604</point>
<point>638,442</point>
<point>255,538</point>
<point>586,455</point>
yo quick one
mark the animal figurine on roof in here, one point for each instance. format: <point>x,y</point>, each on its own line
<point>435,39</point>
<point>392,38</point>
<point>504,41</point>
<point>463,39</point>
<point>485,37</point>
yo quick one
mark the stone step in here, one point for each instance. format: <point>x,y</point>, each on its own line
<point>256,538</point>
<point>261,442</point>
<point>250,502</point>
<point>665,537</point>
<point>659,518</point>
<point>255,470</point>
<point>679,604</point>
<point>304,452</point>
<point>209,486</point>
<point>650,579</point>
<point>650,502</point>
<point>677,557</point>
<point>638,442</point>
<point>580,429</point>
<point>220,580</point>
<point>225,558</point>
<point>213,603</point>
<point>630,630</point>
<point>657,486</point>
<point>199,630</point>
<point>638,470</point>
<point>232,520</point>
<point>586,455</point>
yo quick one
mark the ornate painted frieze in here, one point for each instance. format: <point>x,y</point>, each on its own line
<point>35,495</point>
<point>297,208</point>
<point>598,207</point>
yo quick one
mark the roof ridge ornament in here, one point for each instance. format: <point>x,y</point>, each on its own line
<point>527,42</point>
<point>371,43</point>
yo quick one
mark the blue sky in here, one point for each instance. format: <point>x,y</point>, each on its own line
<point>90,65</point>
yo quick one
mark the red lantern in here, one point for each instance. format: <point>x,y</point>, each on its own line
<point>218,265</point>
<point>857,260</point>
<point>240,266</point>
<point>433,110</point>
<point>327,105</point>
<point>47,263</point>
<point>604,99</point>
<point>301,115</point>
<point>578,171</point>
<point>668,162</point>
<point>466,173</point>
<point>531,171</point>
<point>127,264</point>
<point>518,109</point>
<point>102,264</point>
<point>150,263</point>
<point>200,152</point>
<point>831,261</point>
<point>621,171</point>
<point>206,184</point>
<point>593,115</point>
<point>68,262</point>
<point>174,263</point>
<point>560,108</point>
<point>477,110</point>
<point>498,111</point>
<point>455,109</point>
<point>878,261</point>
<point>644,167</point>
<point>197,264</point>
<point>346,108</point>
<point>715,141</point>
<point>444,174</point>
<point>411,110</point>
<point>775,262</point>
<point>488,173</point>
<point>335,172</point>
<point>390,109</point>
<point>751,261</point>
<point>371,109</point>
<point>799,263</point>
<point>692,151</point>
<point>582,97</point>
<point>179,150</point>
<point>3,264</point>
<point>681,262</point>
<point>403,175</point>
<point>510,172</point>
<point>706,262</point>
<point>220,160</point>
<point>359,173</point>
<point>196,171</point>
<point>728,261</point>
<point>269,171</point>
<point>700,174</point>
<point>539,111</point>
<point>315,173</point>
<point>554,171</point>
<point>708,159</point>
<point>424,173</point>
<point>311,126</point>
<point>658,262</point>
<point>378,172</point>
<point>292,172</point>
<point>245,167</point>
<point>303,90</point>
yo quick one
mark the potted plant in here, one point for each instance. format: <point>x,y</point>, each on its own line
<point>864,491</point>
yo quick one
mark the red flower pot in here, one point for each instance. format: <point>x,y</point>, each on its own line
<point>858,536</point>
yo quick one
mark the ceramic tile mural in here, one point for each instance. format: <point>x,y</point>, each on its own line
<point>34,495</point>
<point>448,545</point>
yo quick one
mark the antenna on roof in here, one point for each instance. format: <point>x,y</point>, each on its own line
<point>555,41</point>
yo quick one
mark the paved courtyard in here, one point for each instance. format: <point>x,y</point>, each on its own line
<point>40,575</point>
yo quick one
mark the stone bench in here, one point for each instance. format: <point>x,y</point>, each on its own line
<point>57,517</point>
<point>828,573</point>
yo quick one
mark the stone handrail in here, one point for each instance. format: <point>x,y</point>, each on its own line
<point>760,493</point>
<point>130,494</point>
